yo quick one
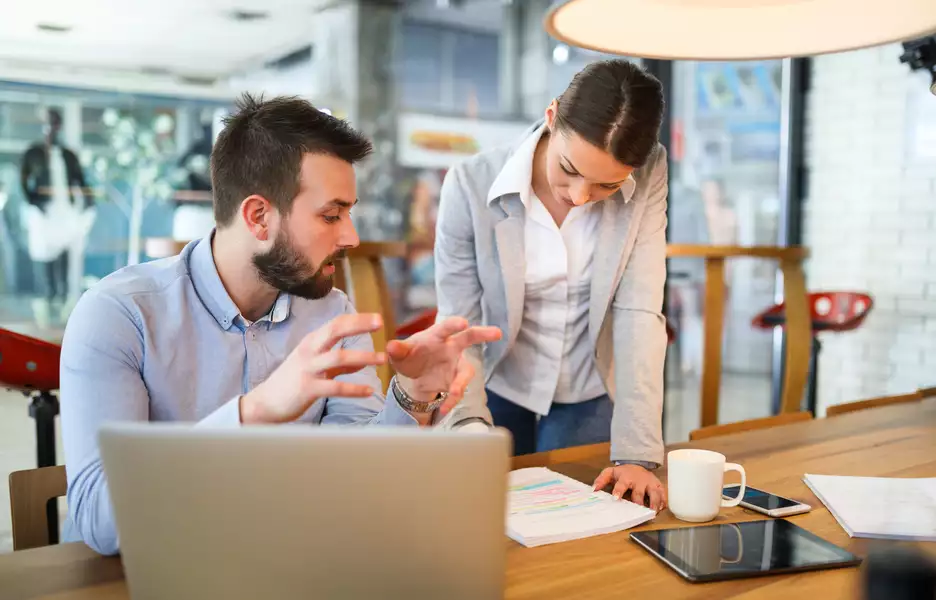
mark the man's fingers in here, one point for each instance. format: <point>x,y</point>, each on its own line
<point>450,403</point>
<point>325,337</point>
<point>329,388</point>
<point>448,327</point>
<point>477,335</point>
<point>345,361</point>
<point>398,350</point>
<point>621,487</point>
<point>603,479</point>
<point>465,372</point>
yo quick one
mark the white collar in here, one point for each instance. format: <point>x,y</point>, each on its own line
<point>516,175</point>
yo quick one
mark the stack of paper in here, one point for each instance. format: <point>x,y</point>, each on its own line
<point>547,507</point>
<point>879,507</point>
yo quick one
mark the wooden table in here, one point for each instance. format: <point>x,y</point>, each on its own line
<point>898,441</point>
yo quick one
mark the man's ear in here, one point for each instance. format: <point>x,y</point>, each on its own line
<point>257,214</point>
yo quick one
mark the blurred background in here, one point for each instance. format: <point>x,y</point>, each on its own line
<point>837,153</point>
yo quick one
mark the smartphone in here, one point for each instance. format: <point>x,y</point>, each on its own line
<point>765,502</point>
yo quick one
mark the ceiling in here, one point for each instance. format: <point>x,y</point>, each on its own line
<point>189,38</point>
<point>193,38</point>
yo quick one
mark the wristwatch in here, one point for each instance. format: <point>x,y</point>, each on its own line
<point>407,402</point>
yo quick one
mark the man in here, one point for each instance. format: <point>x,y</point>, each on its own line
<point>61,207</point>
<point>244,327</point>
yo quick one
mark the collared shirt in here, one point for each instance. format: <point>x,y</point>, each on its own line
<point>163,341</point>
<point>551,359</point>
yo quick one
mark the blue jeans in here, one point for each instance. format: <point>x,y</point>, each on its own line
<point>566,425</point>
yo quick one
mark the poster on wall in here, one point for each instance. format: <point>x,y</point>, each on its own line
<point>430,141</point>
<point>427,146</point>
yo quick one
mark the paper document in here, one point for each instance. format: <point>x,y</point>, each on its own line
<point>889,508</point>
<point>547,507</point>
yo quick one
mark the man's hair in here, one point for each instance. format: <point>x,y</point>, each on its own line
<point>260,151</point>
<point>616,106</point>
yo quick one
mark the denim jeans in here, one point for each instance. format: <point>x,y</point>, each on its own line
<point>566,425</point>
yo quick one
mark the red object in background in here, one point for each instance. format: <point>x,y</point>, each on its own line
<point>829,311</point>
<point>677,145</point>
<point>27,363</point>
<point>32,367</point>
<point>423,320</point>
<point>426,319</point>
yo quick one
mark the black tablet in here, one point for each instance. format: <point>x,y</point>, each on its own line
<point>735,550</point>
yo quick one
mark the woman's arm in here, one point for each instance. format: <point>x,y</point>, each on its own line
<point>458,288</point>
<point>640,334</point>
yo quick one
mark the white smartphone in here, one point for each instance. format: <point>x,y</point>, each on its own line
<point>765,502</point>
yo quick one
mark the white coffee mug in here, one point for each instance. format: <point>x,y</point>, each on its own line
<point>695,479</point>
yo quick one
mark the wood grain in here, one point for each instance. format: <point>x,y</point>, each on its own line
<point>841,409</point>
<point>714,318</point>
<point>798,335</point>
<point>749,425</point>
<point>30,490</point>
<point>795,253</point>
<point>895,441</point>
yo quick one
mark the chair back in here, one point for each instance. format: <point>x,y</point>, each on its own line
<point>841,409</point>
<point>750,425</point>
<point>30,493</point>
<point>362,277</point>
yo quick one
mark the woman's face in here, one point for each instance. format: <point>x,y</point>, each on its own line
<point>577,171</point>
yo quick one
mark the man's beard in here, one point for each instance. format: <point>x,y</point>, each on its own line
<point>284,268</point>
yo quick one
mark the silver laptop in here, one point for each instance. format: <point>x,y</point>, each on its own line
<point>292,511</point>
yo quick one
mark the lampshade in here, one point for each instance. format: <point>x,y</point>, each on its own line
<point>737,29</point>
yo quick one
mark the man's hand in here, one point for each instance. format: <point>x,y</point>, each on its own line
<point>432,362</point>
<point>308,372</point>
<point>641,482</point>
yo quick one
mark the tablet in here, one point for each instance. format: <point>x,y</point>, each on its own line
<point>736,550</point>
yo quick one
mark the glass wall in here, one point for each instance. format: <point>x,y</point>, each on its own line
<point>85,178</point>
<point>725,152</point>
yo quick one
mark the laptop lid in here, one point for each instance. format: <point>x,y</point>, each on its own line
<point>304,512</point>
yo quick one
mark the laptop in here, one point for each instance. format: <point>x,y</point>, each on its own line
<point>305,512</point>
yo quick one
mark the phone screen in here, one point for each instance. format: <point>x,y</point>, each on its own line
<point>760,498</point>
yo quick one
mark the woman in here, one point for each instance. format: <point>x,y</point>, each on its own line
<point>560,242</point>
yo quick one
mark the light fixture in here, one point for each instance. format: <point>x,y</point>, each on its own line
<point>560,54</point>
<point>53,27</point>
<point>737,29</point>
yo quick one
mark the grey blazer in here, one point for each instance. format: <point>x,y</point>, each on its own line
<point>479,265</point>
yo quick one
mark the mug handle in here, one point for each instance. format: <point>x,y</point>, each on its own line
<point>741,489</point>
<point>735,561</point>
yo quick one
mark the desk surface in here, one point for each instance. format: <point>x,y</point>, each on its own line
<point>897,441</point>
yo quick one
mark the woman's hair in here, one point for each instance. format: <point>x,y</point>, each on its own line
<point>614,105</point>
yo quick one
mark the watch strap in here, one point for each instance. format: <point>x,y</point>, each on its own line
<point>409,404</point>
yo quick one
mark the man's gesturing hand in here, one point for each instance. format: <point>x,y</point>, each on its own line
<point>307,373</point>
<point>431,362</point>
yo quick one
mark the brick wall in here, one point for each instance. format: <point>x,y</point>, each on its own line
<point>871,221</point>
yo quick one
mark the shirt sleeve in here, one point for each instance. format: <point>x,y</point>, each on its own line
<point>101,381</point>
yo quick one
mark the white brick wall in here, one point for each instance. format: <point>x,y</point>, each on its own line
<point>871,224</point>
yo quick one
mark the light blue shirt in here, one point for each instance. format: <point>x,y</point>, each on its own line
<point>163,341</point>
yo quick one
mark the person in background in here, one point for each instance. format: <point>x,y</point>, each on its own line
<point>244,325</point>
<point>62,207</point>
<point>560,241</point>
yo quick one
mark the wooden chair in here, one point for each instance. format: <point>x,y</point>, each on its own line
<point>162,247</point>
<point>841,409</point>
<point>30,493</point>
<point>749,425</point>
<point>361,276</point>
<point>797,328</point>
